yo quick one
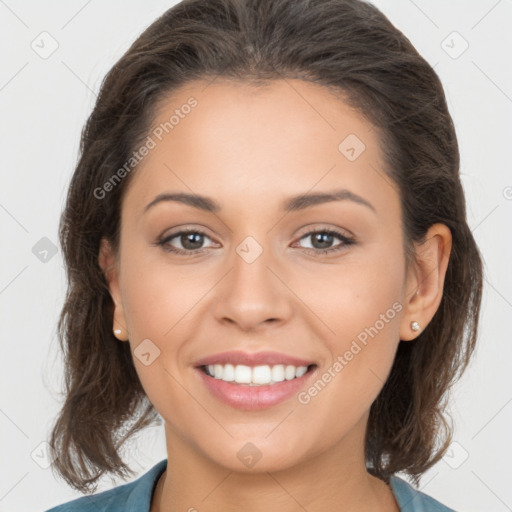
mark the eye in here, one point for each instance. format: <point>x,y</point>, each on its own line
<point>190,240</point>
<point>323,238</point>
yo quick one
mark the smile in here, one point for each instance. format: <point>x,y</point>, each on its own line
<point>257,375</point>
<point>254,388</point>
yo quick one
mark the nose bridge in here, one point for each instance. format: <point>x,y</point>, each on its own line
<point>252,293</point>
<point>252,280</point>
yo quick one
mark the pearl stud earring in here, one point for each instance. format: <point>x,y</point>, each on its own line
<point>118,333</point>
<point>415,326</point>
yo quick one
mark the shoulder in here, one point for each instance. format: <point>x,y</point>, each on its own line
<point>411,500</point>
<point>134,496</point>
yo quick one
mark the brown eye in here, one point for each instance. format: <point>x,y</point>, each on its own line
<point>191,242</point>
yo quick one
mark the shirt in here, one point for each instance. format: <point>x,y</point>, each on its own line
<point>136,496</point>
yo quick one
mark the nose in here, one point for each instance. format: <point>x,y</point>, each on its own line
<point>253,294</point>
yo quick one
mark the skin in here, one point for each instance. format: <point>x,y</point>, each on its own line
<point>250,149</point>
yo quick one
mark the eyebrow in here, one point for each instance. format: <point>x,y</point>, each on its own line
<point>295,203</point>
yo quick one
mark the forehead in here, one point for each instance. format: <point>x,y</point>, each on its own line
<point>240,142</point>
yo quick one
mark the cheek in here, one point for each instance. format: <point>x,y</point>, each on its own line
<point>159,309</point>
<point>352,295</point>
<point>163,302</point>
<point>362,309</point>
<point>159,296</point>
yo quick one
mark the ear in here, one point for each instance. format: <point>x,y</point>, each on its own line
<point>425,281</point>
<point>109,264</point>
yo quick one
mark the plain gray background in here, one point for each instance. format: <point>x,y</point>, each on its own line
<point>45,100</point>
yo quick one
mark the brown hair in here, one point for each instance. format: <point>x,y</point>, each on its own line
<point>351,48</point>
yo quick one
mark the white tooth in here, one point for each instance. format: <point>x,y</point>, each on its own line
<point>261,375</point>
<point>217,369</point>
<point>301,370</point>
<point>229,373</point>
<point>257,375</point>
<point>289,372</point>
<point>243,374</point>
<point>278,373</point>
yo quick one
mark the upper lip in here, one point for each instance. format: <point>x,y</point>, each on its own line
<point>252,359</point>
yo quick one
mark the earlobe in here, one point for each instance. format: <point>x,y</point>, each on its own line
<point>120,333</point>
<point>426,282</point>
<point>108,263</point>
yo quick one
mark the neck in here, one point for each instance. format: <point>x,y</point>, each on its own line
<point>333,480</point>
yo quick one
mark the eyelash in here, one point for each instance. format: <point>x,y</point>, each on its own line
<point>162,242</point>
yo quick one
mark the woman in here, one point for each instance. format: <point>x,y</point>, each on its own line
<point>267,246</point>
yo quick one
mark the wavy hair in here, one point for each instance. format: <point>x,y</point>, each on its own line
<point>352,49</point>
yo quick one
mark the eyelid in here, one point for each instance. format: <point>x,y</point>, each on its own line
<point>305,230</point>
<point>315,227</point>
<point>195,228</point>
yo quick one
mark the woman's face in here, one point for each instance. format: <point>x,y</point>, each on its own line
<point>260,273</point>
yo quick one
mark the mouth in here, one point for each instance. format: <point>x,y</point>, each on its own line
<point>255,387</point>
<point>261,375</point>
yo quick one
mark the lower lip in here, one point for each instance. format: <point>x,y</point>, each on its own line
<point>243,396</point>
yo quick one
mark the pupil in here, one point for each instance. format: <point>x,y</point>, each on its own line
<point>321,237</point>
<point>189,238</point>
